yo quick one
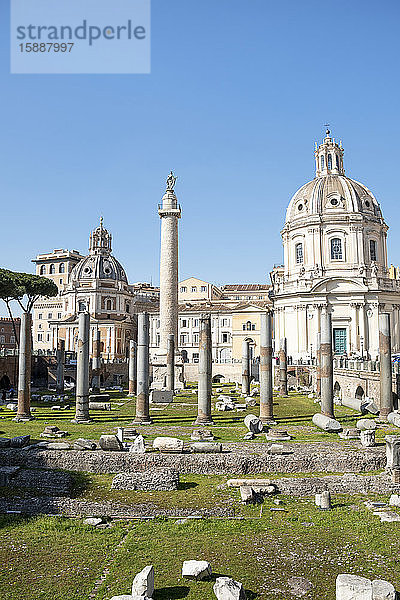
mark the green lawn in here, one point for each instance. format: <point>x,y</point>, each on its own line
<point>61,559</point>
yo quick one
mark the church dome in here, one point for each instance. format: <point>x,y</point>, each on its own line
<point>99,264</point>
<point>331,192</point>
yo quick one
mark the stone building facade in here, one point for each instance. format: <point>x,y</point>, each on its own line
<point>335,258</point>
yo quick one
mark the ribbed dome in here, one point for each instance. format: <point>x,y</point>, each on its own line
<point>98,266</point>
<point>332,194</point>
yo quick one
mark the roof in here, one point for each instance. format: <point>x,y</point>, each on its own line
<point>245,287</point>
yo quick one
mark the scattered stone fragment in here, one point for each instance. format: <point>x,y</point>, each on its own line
<point>387,516</point>
<point>249,436</point>
<point>110,442</point>
<point>138,446</point>
<point>201,435</point>
<point>352,587</point>
<point>248,482</point>
<point>83,444</point>
<point>12,406</point>
<point>58,446</point>
<point>278,435</point>
<point>99,405</point>
<point>367,438</point>
<point>299,586</point>
<point>350,433</point>
<point>394,500</point>
<point>196,569</point>
<point>56,407</point>
<point>278,449</point>
<point>323,500</point>
<point>247,495</point>
<point>394,419</point>
<point>168,444</point>
<point>226,588</point>
<point>326,423</point>
<point>20,441</point>
<point>123,597</point>
<point>143,583</point>
<point>253,424</point>
<point>206,447</point>
<point>364,424</point>
<point>94,521</point>
<point>383,590</point>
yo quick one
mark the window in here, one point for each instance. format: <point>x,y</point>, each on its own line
<point>194,288</point>
<point>12,339</point>
<point>2,339</point>
<point>40,337</point>
<point>299,253</point>
<point>43,269</point>
<point>127,307</point>
<point>184,339</point>
<point>225,338</point>
<point>50,316</point>
<point>52,269</point>
<point>329,161</point>
<point>337,162</point>
<point>195,322</point>
<point>195,338</point>
<point>372,250</point>
<point>225,323</point>
<point>237,297</point>
<point>58,315</point>
<point>336,249</point>
<point>322,163</point>
<point>48,337</point>
<point>195,357</point>
<point>40,316</point>
<point>248,325</point>
<point>184,322</point>
<point>183,289</point>
<point>40,326</point>
<point>82,306</point>
<point>60,281</point>
<point>108,305</point>
<point>203,288</point>
<point>61,268</point>
<point>158,323</point>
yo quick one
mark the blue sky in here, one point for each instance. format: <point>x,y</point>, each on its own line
<point>238,93</point>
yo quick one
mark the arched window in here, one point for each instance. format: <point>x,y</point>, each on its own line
<point>372,250</point>
<point>329,161</point>
<point>336,249</point>
<point>108,305</point>
<point>52,269</point>
<point>322,163</point>
<point>82,306</point>
<point>127,307</point>
<point>299,254</point>
<point>337,162</point>
<point>43,269</point>
<point>248,325</point>
<point>61,268</point>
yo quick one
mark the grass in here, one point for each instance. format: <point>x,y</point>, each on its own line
<point>293,413</point>
<point>51,557</point>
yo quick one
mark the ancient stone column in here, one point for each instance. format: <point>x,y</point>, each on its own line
<point>24,369</point>
<point>132,367</point>
<point>385,359</point>
<point>326,370</point>
<point>205,373</point>
<point>318,370</point>
<point>283,387</point>
<point>169,213</point>
<point>266,393</point>
<point>82,370</point>
<point>60,366</point>
<point>142,397</point>
<point>96,363</point>
<point>245,368</point>
<point>171,363</point>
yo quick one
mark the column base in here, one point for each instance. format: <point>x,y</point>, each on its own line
<point>267,421</point>
<point>82,421</point>
<point>23,418</point>
<point>144,421</point>
<point>201,422</point>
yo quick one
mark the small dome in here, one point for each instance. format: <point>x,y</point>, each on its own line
<point>330,194</point>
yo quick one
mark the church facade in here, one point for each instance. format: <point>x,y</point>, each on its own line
<point>335,259</point>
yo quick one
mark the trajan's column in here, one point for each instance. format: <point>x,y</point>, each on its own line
<point>169,211</point>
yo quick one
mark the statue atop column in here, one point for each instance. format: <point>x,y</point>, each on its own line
<point>171,180</point>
